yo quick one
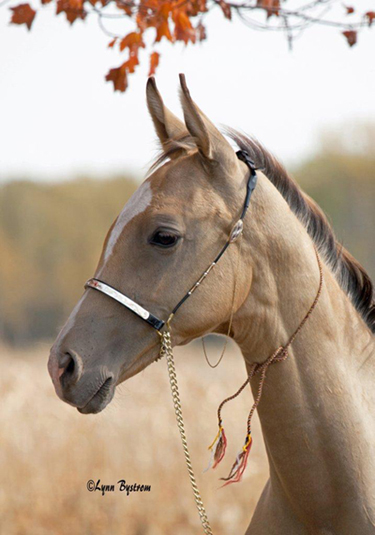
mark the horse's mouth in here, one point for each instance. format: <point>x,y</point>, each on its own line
<point>100,399</point>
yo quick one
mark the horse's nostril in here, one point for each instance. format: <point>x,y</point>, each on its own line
<point>72,369</point>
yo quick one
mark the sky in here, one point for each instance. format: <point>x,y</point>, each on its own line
<point>60,119</point>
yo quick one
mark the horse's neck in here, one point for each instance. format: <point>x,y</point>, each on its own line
<point>315,410</point>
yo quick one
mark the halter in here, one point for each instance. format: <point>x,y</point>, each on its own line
<point>236,232</point>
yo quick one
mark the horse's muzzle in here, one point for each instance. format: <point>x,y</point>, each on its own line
<point>89,391</point>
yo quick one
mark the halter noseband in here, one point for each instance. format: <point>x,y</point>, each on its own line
<point>236,232</point>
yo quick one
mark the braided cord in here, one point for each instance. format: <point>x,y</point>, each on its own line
<point>166,350</point>
<point>279,355</point>
<point>234,295</point>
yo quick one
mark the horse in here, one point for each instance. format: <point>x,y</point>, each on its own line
<point>317,407</point>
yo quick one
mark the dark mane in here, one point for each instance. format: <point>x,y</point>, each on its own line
<point>350,275</point>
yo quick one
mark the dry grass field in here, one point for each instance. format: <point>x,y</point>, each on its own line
<point>48,451</point>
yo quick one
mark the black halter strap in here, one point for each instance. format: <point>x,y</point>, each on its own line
<point>236,232</point>
<point>252,182</point>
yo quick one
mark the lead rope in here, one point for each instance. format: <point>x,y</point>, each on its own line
<point>166,350</point>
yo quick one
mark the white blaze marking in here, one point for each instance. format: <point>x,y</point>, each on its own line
<point>137,204</point>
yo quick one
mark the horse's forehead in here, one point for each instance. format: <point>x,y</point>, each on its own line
<point>179,181</point>
<point>170,187</point>
<point>136,205</point>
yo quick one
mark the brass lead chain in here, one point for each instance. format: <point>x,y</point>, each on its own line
<point>166,350</point>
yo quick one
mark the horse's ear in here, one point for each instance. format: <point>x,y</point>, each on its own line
<point>168,127</point>
<point>209,140</point>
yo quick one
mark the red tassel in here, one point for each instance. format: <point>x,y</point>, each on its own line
<point>240,464</point>
<point>221,446</point>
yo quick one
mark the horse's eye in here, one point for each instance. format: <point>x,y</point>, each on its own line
<point>164,238</point>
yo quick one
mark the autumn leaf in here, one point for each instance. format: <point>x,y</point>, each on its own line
<point>164,10</point>
<point>131,64</point>
<point>201,32</point>
<point>147,13</point>
<point>179,20</point>
<point>118,77</point>
<point>183,29</point>
<point>351,37</point>
<point>154,62</point>
<point>76,4</point>
<point>370,15</point>
<point>161,22</point>
<point>195,7</point>
<point>124,7</point>
<point>73,9</point>
<point>23,14</point>
<point>162,30</point>
<point>132,41</point>
<point>226,9</point>
<point>272,7</point>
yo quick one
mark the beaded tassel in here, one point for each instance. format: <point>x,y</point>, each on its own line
<point>219,445</point>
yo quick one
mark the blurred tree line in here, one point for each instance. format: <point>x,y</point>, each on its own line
<point>51,235</point>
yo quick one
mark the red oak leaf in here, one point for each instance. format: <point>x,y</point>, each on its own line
<point>154,62</point>
<point>201,32</point>
<point>194,7</point>
<point>351,37</point>
<point>112,43</point>
<point>132,41</point>
<point>132,62</point>
<point>23,14</point>
<point>164,10</point>
<point>118,77</point>
<point>183,29</point>
<point>73,9</point>
<point>370,16</point>
<point>272,7</point>
<point>124,7</point>
<point>161,22</point>
<point>226,9</point>
<point>162,30</point>
<point>349,9</point>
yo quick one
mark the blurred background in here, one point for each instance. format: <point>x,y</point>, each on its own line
<point>72,153</point>
<point>51,233</point>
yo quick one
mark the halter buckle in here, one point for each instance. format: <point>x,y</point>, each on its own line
<point>236,231</point>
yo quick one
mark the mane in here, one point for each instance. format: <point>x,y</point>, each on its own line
<point>348,272</point>
<point>172,149</point>
<point>350,275</point>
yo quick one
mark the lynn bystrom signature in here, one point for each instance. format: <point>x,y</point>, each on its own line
<point>120,486</point>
